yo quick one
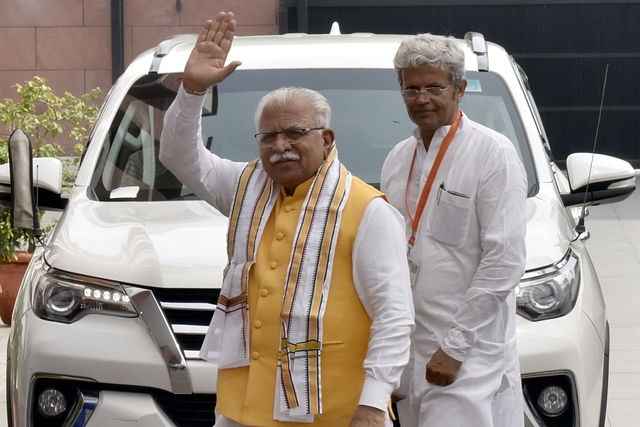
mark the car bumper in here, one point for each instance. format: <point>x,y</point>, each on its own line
<point>113,359</point>
<point>566,351</point>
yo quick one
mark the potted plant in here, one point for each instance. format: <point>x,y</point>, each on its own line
<point>43,116</point>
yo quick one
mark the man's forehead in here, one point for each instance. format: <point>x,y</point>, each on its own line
<point>289,112</point>
<point>293,102</point>
<point>425,70</point>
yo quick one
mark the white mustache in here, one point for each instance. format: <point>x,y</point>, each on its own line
<point>287,155</point>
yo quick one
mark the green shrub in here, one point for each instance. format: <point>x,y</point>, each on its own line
<point>43,116</point>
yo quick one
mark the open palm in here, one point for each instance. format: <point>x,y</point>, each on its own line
<point>205,66</point>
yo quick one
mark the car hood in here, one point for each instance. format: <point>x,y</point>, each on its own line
<point>183,243</point>
<point>157,244</point>
<point>549,231</point>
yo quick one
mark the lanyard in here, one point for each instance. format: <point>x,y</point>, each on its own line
<point>432,176</point>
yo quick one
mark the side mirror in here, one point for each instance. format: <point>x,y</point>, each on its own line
<point>24,213</point>
<point>25,182</point>
<point>598,179</point>
<point>210,107</point>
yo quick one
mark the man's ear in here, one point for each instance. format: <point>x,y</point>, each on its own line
<point>460,93</point>
<point>329,138</point>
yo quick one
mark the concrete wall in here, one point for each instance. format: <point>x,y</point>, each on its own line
<point>68,42</point>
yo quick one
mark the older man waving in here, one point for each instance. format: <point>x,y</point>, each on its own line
<point>313,321</point>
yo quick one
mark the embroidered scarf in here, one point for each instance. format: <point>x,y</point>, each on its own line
<point>306,288</point>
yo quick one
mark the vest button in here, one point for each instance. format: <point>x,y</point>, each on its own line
<point>255,355</point>
<point>288,208</point>
<point>257,324</point>
<point>273,265</point>
<point>279,236</point>
<point>264,292</point>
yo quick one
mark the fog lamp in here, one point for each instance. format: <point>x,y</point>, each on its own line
<point>552,401</point>
<point>51,403</point>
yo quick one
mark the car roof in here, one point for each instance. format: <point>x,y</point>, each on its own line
<point>300,51</point>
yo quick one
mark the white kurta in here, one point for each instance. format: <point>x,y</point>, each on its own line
<point>472,253</point>
<point>380,277</point>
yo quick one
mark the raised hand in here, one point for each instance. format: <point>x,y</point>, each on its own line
<point>205,66</point>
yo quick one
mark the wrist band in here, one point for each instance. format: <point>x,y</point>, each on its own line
<point>194,92</point>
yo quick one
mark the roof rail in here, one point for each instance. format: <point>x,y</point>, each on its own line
<point>164,47</point>
<point>479,47</point>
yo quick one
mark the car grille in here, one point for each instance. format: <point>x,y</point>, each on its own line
<point>189,312</point>
<point>191,410</point>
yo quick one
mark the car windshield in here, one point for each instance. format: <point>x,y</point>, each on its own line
<point>368,116</point>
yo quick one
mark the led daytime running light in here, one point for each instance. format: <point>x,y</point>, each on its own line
<point>66,299</point>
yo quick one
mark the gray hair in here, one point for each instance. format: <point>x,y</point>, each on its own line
<point>428,49</point>
<point>280,97</point>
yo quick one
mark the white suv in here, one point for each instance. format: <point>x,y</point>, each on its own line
<point>112,311</point>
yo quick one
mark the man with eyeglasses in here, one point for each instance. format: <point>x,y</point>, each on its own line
<point>462,190</point>
<point>313,320</point>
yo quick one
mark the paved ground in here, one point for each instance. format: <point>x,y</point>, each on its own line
<point>615,249</point>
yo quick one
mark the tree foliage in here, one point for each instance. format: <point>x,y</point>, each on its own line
<point>43,115</point>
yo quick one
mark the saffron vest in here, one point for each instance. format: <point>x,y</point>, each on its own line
<point>247,394</point>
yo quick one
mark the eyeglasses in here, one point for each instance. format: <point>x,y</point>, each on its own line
<point>430,92</point>
<point>291,135</point>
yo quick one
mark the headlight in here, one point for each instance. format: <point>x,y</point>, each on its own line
<point>67,298</point>
<point>550,292</point>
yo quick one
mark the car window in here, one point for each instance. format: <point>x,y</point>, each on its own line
<point>368,116</point>
<point>487,101</point>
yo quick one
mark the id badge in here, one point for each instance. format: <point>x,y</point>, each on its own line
<point>414,269</point>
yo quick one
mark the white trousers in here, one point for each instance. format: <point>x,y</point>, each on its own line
<point>482,395</point>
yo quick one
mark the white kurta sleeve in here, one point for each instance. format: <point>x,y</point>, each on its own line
<point>501,215</point>
<point>181,150</point>
<point>381,279</point>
